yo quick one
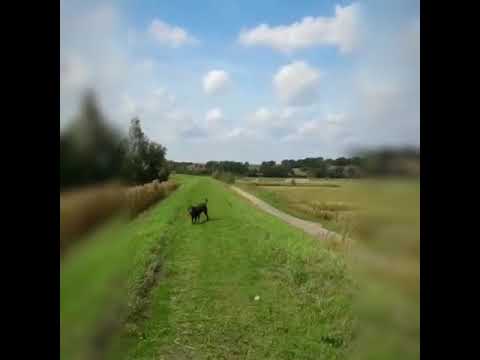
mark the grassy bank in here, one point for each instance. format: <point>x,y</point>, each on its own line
<point>200,300</point>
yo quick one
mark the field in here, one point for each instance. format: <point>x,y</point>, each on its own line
<point>329,202</point>
<point>242,286</point>
<point>383,217</point>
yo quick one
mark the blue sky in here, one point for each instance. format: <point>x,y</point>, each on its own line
<point>248,80</point>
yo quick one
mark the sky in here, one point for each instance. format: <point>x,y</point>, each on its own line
<point>247,80</point>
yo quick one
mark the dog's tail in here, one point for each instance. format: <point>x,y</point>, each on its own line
<point>206,200</point>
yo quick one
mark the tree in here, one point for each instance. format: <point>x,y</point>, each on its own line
<point>270,169</point>
<point>320,171</point>
<point>341,161</point>
<point>145,160</point>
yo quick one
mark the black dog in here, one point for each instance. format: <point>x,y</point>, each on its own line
<point>196,211</point>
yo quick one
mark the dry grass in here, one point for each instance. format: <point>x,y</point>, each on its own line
<point>332,204</point>
<point>292,182</point>
<point>141,197</point>
<point>84,209</point>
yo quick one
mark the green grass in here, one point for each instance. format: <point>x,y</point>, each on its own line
<point>202,305</point>
<point>384,261</point>
<point>98,277</point>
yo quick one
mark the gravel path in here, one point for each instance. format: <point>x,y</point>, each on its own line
<point>312,228</point>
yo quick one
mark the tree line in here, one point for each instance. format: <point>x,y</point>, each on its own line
<point>380,162</point>
<point>91,151</point>
<point>308,167</point>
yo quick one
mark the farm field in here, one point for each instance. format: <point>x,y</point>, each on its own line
<point>243,285</point>
<point>325,201</point>
<point>383,218</point>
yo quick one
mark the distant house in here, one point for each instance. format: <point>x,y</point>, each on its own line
<point>197,167</point>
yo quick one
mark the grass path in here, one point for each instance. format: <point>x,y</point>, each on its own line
<point>205,308</point>
<point>203,305</point>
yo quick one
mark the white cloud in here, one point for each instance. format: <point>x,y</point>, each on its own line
<point>170,35</point>
<point>216,81</point>
<point>242,133</point>
<point>310,128</point>
<point>330,131</point>
<point>262,116</point>
<point>266,118</point>
<point>272,123</point>
<point>214,119</point>
<point>236,132</point>
<point>157,102</point>
<point>340,30</point>
<point>181,125</point>
<point>297,83</point>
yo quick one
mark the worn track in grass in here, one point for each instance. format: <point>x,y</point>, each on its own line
<point>310,227</point>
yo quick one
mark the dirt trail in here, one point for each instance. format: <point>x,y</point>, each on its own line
<point>362,254</point>
<point>312,228</point>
